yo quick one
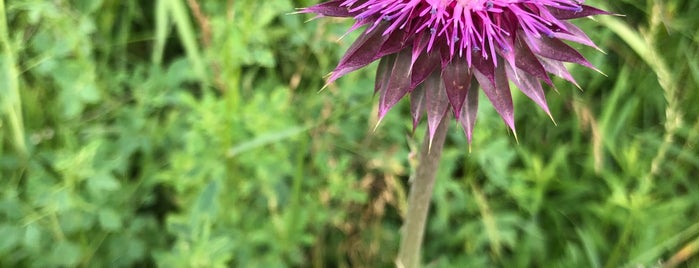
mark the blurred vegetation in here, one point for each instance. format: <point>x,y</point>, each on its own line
<point>185,133</point>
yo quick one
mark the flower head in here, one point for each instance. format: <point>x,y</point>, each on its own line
<point>441,51</point>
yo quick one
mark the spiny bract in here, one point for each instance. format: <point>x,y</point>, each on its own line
<point>441,51</point>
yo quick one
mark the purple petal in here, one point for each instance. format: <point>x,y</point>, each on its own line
<point>573,33</point>
<point>425,64</point>
<point>436,101</point>
<point>417,104</point>
<point>362,52</point>
<point>495,85</point>
<point>383,72</point>
<point>419,46</point>
<point>397,41</point>
<point>555,49</point>
<point>444,53</point>
<point>507,47</point>
<point>398,83</point>
<point>364,21</point>
<point>328,9</point>
<point>558,69</point>
<point>531,87</point>
<point>528,62</point>
<point>457,80</point>
<point>469,110</point>
<point>565,14</point>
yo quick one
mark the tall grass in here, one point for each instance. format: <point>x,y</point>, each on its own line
<point>192,134</point>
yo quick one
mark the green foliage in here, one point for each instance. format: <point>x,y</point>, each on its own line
<point>139,133</point>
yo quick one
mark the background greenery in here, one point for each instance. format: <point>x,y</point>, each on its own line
<point>184,133</point>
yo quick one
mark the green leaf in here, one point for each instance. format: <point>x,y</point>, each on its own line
<point>65,253</point>
<point>109,219</point>
<point>11,236</point>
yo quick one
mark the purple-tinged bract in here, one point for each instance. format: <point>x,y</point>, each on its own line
<point>441,51</point>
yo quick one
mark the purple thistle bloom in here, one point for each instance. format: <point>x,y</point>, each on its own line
<point>441,51</point>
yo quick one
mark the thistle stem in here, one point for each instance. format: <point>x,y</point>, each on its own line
<point>420,196</point>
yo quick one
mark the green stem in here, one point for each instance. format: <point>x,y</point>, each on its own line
<point>13,107</point>
<point>420,196</point>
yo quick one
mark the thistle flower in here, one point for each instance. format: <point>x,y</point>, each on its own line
<point>441,51</point>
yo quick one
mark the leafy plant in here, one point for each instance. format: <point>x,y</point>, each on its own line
<point>192,133</point>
